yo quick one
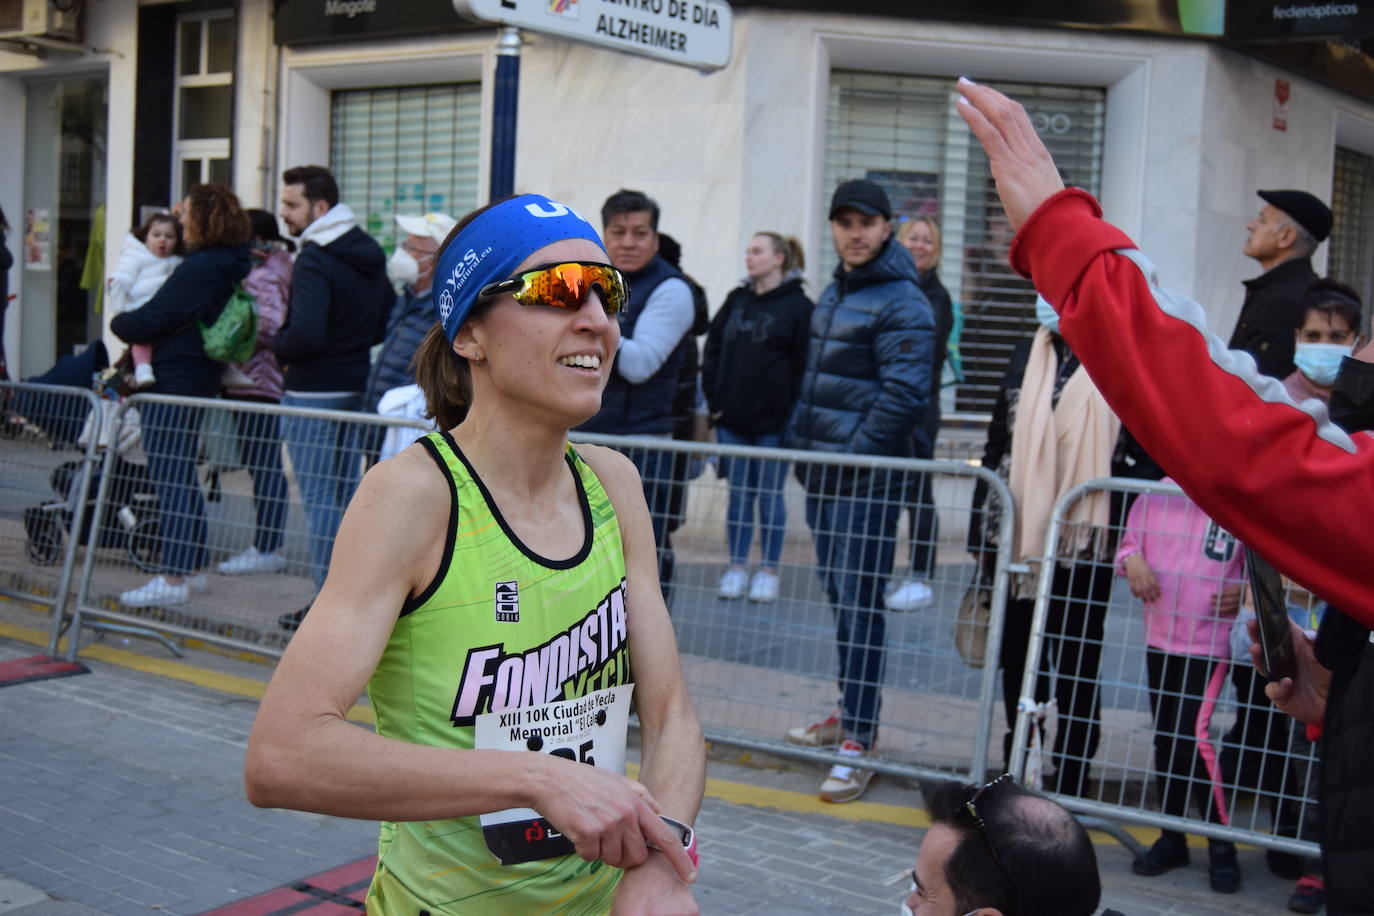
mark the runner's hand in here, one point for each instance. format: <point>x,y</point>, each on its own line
<point>653,889</point>
<point>1303,697</point>
<point>609,817</point>
<point>1025,174</point>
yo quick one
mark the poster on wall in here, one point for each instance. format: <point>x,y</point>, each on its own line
<point>911,193</point>
<point>37,239</point>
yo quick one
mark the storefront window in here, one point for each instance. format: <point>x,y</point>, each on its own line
<point>405,150</point>
<point>904,133</point>
<point>1352,233</point>
<point>205,99</point>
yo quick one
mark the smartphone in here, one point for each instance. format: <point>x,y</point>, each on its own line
<point>1271,618</point>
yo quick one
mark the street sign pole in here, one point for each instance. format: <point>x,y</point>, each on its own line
<point>505,109</point>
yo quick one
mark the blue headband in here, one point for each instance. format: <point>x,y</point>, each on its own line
<point>493,245</point>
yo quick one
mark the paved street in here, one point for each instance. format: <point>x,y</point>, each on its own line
<point>120,792</point>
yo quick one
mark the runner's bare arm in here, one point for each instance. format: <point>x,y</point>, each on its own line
<point>304,754</point>
<point>672,750</point>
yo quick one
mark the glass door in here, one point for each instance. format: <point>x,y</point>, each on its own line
<point>62,253</point>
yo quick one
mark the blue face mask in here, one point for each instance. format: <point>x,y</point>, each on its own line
<point>1045,314</point>
<point>1320,362</point>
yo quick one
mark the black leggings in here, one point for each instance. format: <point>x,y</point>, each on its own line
<point>1074,629</point>
<point>1183,695</point>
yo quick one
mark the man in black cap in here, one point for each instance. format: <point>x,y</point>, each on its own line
<point>863,392</point>
<point>1282,238</point>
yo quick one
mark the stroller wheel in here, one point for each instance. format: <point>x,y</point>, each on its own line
<point>45,548</point>
<point>145,545</point>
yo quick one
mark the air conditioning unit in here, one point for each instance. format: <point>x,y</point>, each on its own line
<point>40,21</point>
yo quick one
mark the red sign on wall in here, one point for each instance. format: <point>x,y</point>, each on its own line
<point>1281,105</point>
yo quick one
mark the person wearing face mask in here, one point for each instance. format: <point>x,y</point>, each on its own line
<point>412,268</point>
<point>1330,331</point>
<point>1051,431</point>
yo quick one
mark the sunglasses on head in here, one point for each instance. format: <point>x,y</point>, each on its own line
<point>971,807</point>
<point>564,285</point>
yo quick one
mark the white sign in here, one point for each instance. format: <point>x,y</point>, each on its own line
<point>695,33</point>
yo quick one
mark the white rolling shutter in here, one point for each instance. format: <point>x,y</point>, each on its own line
<point>1352,231</point>
<point>407,150</point>
<point>904,133</point>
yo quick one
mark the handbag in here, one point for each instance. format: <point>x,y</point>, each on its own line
<point>233,337</point>
<point>971,624</point>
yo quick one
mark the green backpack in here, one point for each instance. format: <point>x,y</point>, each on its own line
<point>233,336</point>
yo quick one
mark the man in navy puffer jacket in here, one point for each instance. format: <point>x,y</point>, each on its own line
<point>864,391</point>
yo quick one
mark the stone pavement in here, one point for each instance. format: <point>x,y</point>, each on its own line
<point>121,792</point>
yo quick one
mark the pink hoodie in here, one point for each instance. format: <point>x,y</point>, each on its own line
<point>1193,559</point>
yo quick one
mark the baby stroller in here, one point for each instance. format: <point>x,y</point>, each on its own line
<point>131,517</point>
<point>131,520</point>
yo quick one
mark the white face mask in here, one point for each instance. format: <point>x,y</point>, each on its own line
<point>1321,362</point>
<point>403,269</point>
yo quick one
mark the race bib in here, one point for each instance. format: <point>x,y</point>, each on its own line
<point>590,729</point>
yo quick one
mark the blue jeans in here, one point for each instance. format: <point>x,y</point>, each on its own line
<point>260,449</point>
<point>171,439</point>
<point>325,457</point>
<point>754,480</point>
<point>855,541</point>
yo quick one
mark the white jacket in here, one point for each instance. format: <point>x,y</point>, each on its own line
<point>137,275</point>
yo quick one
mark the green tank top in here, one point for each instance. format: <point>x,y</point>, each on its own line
<point>499,628</point>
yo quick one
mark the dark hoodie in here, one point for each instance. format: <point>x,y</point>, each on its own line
<point>867,379</point>
<point>196,291</point>
<point>340,301</point>
<point>754,358</point>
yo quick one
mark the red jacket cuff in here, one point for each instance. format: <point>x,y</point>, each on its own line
<point>1061,238</point>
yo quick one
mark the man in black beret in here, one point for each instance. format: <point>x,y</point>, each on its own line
<point>1282,238</point>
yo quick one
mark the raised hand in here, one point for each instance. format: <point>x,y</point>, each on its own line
<point>1023,169</point>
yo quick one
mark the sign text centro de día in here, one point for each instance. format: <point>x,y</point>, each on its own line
<point>695,33</point>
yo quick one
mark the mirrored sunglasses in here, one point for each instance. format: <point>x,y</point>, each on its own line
<point>564,285</point>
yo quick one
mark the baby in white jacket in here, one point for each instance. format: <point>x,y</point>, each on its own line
<point>146,261</point>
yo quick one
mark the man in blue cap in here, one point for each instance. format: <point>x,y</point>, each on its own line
<point>1282,239</point>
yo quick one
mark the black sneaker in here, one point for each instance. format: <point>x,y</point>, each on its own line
<point>1169,851</point>
<point>292,621</point>
<point>1223,871</point>
<point>1309,896</point>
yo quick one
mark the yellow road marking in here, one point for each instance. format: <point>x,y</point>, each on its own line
<point>738,793</point>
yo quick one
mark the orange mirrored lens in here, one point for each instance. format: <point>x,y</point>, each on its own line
<point>567,286</point>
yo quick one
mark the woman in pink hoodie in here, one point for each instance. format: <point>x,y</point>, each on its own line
<point>260,433</point>
<point>1188,571</point>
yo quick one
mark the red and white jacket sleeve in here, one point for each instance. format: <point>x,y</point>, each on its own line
<point>1281,477</point>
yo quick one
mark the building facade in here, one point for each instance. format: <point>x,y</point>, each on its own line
<point>1173,133</point>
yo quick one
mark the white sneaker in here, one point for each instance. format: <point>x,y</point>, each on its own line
<point>846,783</point>
<point>733,583</point>
<point>252,561</point>
<point>157,593</point>
<point>910,595</point>
<point>143,376</point>
<point>824,733</point>
<point>764,586</point>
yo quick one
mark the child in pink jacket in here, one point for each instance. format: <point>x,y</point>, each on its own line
<point>1188,573</point>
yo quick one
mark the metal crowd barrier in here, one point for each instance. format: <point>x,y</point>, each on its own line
<point>759,668</point>
<point>47,453</point>
<point>213,481</point>
<point>1160,722</point>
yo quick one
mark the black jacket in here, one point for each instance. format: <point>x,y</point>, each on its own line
<point>1271,315</point>
<point>340,301</point>
<point>868,363</point>
<point>943,311</point>
<point>1346,780</point>
<point>754,358</point>
<point>196,291</point>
